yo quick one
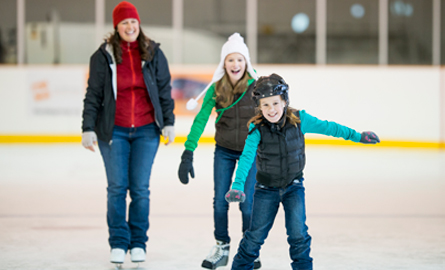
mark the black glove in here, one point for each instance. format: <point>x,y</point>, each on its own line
<point>186,167</point>
<point>234,195</point>
<point>369,137</point>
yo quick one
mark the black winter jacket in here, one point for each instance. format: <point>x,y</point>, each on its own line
<point>281,155</point>
<point>100,98</point>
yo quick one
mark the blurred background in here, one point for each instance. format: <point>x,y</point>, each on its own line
<point>395,32</point>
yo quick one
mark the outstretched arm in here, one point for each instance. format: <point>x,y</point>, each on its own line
<point>311,124</point>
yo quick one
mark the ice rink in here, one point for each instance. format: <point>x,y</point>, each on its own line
<point>368,207</point>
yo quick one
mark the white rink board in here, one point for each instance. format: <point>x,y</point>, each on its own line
<point>398,103</point>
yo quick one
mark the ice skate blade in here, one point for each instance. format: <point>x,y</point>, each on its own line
<point>118,266</point>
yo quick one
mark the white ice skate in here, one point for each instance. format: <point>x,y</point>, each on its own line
<point>218,256</point>
<point>117,257</point>
<point>137,255</point>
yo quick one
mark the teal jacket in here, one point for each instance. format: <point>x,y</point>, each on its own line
<point>309,124</point>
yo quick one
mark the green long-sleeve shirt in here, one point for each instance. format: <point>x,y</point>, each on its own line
<point>309,124</point>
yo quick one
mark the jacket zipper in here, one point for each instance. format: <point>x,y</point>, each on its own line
<point>132,86</point>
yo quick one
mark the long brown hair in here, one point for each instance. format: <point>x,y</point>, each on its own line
<point>225,91</point>
<point>290,116</point>
<point>143,41</point>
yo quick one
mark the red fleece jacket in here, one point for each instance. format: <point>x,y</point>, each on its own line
<point>133,104</point>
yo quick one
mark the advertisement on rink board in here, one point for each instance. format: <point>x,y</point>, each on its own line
<point>54,91</point>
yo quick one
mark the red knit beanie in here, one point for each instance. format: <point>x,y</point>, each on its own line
<point>124,10</point>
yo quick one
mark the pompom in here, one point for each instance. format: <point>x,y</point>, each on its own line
<point>236,37</point>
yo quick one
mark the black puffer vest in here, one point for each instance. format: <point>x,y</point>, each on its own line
<point>231,128</point>
<point>281,155</point>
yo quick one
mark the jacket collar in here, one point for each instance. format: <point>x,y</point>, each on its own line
<point>107,49</point>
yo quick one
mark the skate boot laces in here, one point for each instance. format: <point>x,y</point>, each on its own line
<point>218,252</point>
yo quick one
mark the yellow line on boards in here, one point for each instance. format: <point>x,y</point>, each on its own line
<point>40,139</point>
<point>24,139</point>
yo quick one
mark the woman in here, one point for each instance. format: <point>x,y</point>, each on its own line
<point>127,105</point>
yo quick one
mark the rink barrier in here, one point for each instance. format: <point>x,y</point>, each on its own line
<point>37,139</point>
<point>404,104</point>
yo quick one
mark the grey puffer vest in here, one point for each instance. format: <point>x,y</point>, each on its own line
<point>231,128</point>
<point>281,155</point>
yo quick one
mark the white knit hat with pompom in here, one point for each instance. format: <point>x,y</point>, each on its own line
<point>235,44</point>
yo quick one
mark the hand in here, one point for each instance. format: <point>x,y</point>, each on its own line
<point>234,195</point>
<point>186,167</point>
<point>89,139</point>
<point>169,132</point>
<point>369,137</point>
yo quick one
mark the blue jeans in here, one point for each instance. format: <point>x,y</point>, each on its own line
<point>223,168</point>
<point>265,207</point>
<point>128,161</point>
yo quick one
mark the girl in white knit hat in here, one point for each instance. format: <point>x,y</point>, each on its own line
<point>230,92</point>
